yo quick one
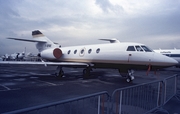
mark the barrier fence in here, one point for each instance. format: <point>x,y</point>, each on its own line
<point>139,99</point>
<point>90,104</point>
<point>170,88</point>
<point>145,98</point>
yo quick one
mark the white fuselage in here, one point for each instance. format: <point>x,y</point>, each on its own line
<point>112,53</point>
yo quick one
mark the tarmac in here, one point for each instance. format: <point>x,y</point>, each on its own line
<point>23,86</point>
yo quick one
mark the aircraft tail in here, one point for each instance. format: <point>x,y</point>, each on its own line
<point>43,42</point>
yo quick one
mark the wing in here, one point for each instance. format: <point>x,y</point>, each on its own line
<point>63,64</point>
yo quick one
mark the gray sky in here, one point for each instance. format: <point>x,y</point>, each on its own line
<point>155,23</point>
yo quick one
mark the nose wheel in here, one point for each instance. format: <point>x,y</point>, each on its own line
<point>130,76</point>
<point>129,79</point>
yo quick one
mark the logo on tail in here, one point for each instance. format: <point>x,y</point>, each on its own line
<point>37,33</point>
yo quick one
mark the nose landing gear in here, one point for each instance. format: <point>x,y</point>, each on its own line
<point>128,74</point>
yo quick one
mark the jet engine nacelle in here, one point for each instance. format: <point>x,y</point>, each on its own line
<point>51,54</point>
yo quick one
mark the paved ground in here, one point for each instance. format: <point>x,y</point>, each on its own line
<point>22,86</point>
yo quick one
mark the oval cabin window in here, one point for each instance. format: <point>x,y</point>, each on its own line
<point>82,52</point>
<point>75,51</point>
<point>98,50</point>
<point>69,51</point>
<point>89,51</point>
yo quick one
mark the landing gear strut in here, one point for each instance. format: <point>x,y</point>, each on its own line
<point>86,73</point>
<point>128,74</point>
<point>59,72</point>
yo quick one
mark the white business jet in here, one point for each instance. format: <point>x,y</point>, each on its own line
<point>173,53</point>
<point>114,55</point>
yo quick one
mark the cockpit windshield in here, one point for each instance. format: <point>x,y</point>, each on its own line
<point>138,48</point>
<point>146,49</point>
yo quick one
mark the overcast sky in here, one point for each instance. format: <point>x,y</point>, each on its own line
<point>155,23</point>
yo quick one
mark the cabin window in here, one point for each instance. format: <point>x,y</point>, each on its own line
<point>98,50</point>
<point>69,51</point>
<point>146,49</point>
<point>75,51</point>
<point>138,48</point>
<point>131,48</point>
<point>82,51</point>
<point>89,51</point>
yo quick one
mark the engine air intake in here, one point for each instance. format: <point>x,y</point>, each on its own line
<point>57,53</point>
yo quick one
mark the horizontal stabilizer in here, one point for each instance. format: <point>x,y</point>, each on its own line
<point>114,40</point>
<point>32,40</point>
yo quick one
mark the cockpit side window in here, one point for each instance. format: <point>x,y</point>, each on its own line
<point>146,49</point>
<point>138,48</point>
<point>131,48</point>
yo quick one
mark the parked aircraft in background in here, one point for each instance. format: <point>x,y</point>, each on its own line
<point>173,53</point>
<point>14,56</point>
<point>115,55</point>
<point>5,57</point>
<point>20,57</point>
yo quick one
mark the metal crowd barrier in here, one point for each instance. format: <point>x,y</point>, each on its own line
<point>138,99</point>
<point>144,98</point>
<point>178,88</point>
<point>89,104</point>
<point>170,88</point>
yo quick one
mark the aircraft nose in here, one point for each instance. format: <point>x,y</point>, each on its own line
<point>164,60</point>
<point>170,61</point>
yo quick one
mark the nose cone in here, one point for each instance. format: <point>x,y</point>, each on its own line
<point>170,61</point>
<point>165,61</point>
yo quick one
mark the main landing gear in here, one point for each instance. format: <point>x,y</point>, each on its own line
<point>59,72</point>
<point>86,73</point>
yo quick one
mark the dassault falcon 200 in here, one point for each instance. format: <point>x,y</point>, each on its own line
<point>125,56</point>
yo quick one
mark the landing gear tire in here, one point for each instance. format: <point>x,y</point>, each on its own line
<point>129,75</point>
<point>86,73</point>
<point>129,79</point>
<point>59,73</point>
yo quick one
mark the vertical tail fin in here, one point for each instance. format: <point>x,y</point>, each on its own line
<point>42,41</point>
<point>37,35</point>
